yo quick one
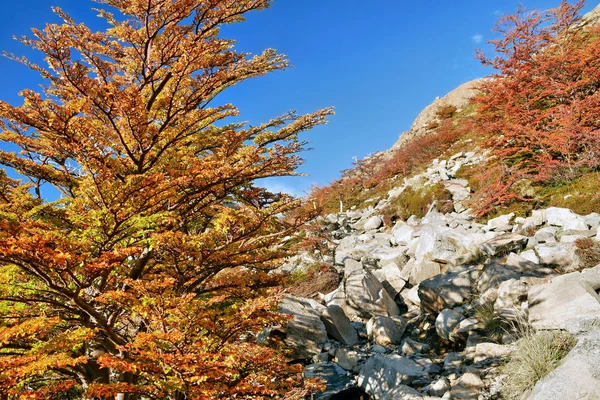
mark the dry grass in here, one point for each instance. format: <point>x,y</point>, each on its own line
<point>535,356</point>
<point>494,327</point>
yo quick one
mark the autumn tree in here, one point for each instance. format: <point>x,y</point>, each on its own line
<point>151,274</point>
<point>540,110</point>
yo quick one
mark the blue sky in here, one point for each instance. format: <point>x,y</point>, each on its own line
<point>379,62</point>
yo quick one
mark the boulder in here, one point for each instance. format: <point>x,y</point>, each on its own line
<point>502,221</point>
<point>305,333</point>
<point>347,359</point>
<point>386,331</point>
<point>403,233</point>
<point>504,244</point>
<point>453,361</point>
<point>335,378</point>
<point>373,223</point>
<point>565,218</point>
<point>366,297</point>
<point>511,294</point>
<point>418,271</point>
<point>559,254</point>
<point>411,347</point>
<point>439,387</point>
<point>384,376</point>
<point>530,255</point>
<point>545,235</point>
<point>468,386</point>
<point>391,279</point>
<point>446,322</point>
<point>514,267</point>
<point>442,244</point>
<point>491,351</point>
<point>445,291</point>
<point>566,302</point>
<point>338,325</point>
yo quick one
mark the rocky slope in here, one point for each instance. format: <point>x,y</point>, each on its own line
<point>405,321</point>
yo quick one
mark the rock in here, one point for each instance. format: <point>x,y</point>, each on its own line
<point>592,220</point>
<point>384,376</point>
<point>504,244</point>
<point>411,297</point>
<point>577,376</point>
<point>335,377</point>
<point>500,222</point>
<point>445,291</point>
<point>511,294</point>
<point>530,255</point>
<point>347,359</point>
<point>338,325</point>
<point>515,267</point>
<point>560,254</point>
<point>411,347</point>
<point>373,223</point>
<point>385,330</point>
<point>305,333</point>
<point>402,233</point>
<point>377,349</point>
<point>565,302</point>
<point>418,271</point>
<point>366,297</point>
<point>439,387</point>
<point>565,218</point>
<point>468,387</point>
<point>392,279</point>
<point>453,361</point>
<point>491,351</point>
<point>442,244</point>
<point>458,189</point>
<point>445,323</point>
<point>545,235</point>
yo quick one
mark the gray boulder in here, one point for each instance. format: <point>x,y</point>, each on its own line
<point>346,358</point>
<point>373,223</point>
<point>366,297</point>
<point>566,302</point>
<point>565,218</point>
<point>504,244</point>
<point>338,325</point>
<point>446,291</point>
<point>386,331</point>
<point>560,254</point>
<point>305,333</point>
<point>335,378</point>
<point>446,322</point>
<point>384,376</point>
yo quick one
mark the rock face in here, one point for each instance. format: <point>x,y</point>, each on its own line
<point>458,98</point>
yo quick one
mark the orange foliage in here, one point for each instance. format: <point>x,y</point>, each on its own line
<point>152,275</point>
<point>540,110</point>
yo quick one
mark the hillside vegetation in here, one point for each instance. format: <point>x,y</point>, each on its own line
<point>543,139</point>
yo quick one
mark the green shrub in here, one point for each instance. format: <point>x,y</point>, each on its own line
<point>535,355</point>
<point>417,202</point>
